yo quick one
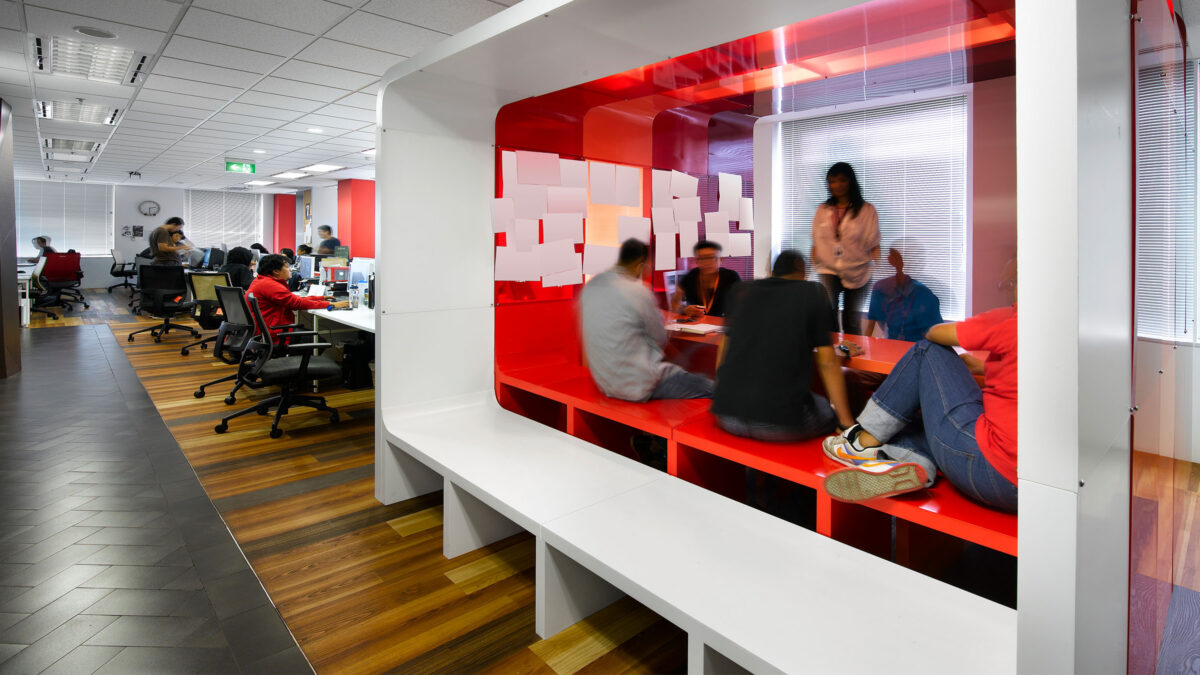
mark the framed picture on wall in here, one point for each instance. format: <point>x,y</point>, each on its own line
<point>307,211</point>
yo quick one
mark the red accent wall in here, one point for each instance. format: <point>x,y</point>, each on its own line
<point>284,223</point>
<point>356,216</point>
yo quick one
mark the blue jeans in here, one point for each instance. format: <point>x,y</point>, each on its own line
<point>925,412</point>
<point>679,383</point>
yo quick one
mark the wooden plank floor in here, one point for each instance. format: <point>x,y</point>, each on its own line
<point>364,587</point>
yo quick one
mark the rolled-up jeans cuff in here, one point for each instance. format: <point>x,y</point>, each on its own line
<point>880,423</point>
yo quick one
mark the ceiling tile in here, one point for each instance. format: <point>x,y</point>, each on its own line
<point>246,120</point>
<point>278,85</point>
<point>331,125</point>
<point>9,91</point>
<point>12,76</point>
<point>278,115</point>
<point>351,57</point>
<point>130,122</point>
<point>377,32</point>
<point>190,87</point>
<point>13,60</point>
<point>328,76</point>
<point>10,15</point>
<point>175,110</point>
<point>229,30</point>
<point>156,14</point>
<point>51,22</point>
<point>219,125</point>
<point>190,70</point>
<point>171,98</point>
<point>211,53</point>
<point>12,40</point>
<point>75,87</point>
<point>310,16</point>
<point>276,101</point>
<point>359,100</point>
<point>362,116</point>
<point>446,16</point>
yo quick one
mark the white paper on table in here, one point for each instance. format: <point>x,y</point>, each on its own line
<point>573,173</point>
<point>503,214</point>
<point>524,235</point>
<point>514,265</point>
<point>683,185</point>
<point>529,201</point>
<point>664,220</point>
<point>316,290</point>
<point>660,188</point>
<point>687,210</point>
<point>729,198</point>
<point>508,169</point>
<point>716,228</point>
<point>633,227</point>
<point>739,245</point>
<point>747,219</point>
<point>555,256</point>
<point>566,199</point>
<point>664,252</point>
<point>537,168</point>
<point>603,183</point>
<point>597,259</point>
<point>688,236</point>
<point>628,185</point>
<point>568,277</point>
<point>568,226</point>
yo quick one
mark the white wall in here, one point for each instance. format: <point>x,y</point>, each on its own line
<point>324,210</point>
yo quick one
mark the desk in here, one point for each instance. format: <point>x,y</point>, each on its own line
<point>362,318</point>
<point>24,279</point>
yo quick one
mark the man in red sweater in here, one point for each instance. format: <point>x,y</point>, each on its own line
<point>275,301</point>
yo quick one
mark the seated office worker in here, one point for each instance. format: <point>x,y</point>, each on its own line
<point>162,248</point>
<point>275,301</point>
<point>704,289</point>
<point>43,246</point>
<point>776,331</point>
<point>303,249</point>
<point>968,434</point>
<point>906,307</point>
<point>328,241</point>
<point>237,266</point>
<point>624,335</point>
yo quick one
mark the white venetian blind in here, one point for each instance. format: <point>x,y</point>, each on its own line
<point>230,218</point>
<point>1166,202</point>
<point>74,215</point>
<point>911,160</point>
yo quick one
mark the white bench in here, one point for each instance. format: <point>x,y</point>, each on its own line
<point>750,590</point>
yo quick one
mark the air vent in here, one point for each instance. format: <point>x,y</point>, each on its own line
<point>77,58</point>
<point>68,111</point>
<point>138,68</point>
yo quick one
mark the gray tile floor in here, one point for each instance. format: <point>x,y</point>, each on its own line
<point>112,558</point>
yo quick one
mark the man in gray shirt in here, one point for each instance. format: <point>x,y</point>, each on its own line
<point>623,335</point>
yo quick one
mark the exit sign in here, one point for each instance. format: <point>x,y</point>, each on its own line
<point>239,167</point>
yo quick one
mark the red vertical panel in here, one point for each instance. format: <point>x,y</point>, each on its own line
<point>356,216</point>
<point>284,222</point>
<point>345,209</point>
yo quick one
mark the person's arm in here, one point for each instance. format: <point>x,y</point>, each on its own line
<point>167,247</point>
<point>945,334</point>
<point>677,299</point>
<point>830,371</point>
<point>869,327</point>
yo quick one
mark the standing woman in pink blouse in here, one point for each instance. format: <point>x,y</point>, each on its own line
<point>845,231</point>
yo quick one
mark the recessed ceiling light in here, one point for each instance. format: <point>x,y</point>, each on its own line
<point>314,130</point>
<point>71,111</point>
<point>76,58</point>
<point>289,175</point>
<point>93,32</point>
<point>369,152</point>
<point>321,168</point>
<point>67,157</point>
<point>258,183</point>
<point>70,145</point>
<point>260,152</point>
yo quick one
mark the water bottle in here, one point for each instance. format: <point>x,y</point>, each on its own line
<point>354,297</point>
<point>364,293</point>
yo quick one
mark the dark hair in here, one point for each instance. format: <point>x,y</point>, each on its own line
<point>788,262</point>
<point>288,253</point>
<point>633,251</point>
<point>270,264</point>
<point>705,243</point>
<point>325,228</point>
<point>239,255</point>
<point>845,170</point>
<point>304,249</point>
<point>41,239</point>
<point>174,220</point>
<point>260,248</point>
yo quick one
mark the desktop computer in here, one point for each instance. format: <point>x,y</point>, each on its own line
<point>361,269</point>
<point>307,266</point>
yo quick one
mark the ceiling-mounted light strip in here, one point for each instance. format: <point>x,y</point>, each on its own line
<point>77,58</point>
<point>69,111</point>
<point>70,145</point>
<point>289,175</point>
<point>321,168</point>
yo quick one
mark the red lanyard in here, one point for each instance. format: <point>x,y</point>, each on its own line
<point>712,298</point>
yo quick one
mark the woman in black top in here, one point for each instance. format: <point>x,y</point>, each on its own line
<point>703,291</point>
<point>237,266</point>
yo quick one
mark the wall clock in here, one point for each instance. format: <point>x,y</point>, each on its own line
<point>148,208</point>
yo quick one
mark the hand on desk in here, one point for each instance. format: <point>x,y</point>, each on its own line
<point>343,304</point>
<point>694,311</point>
<point>850,349</point>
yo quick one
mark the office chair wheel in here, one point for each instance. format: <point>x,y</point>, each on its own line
<point>203,345</point>
<point>276,433</point>
<point>334,419</point>
<point>157,339</point>
<point>198,393</point>
<point>264,412</point>
<point>195,334</point>
<point>221,428</point>
<point>86,306</point>
<point>229,400</point>
<point>131,338</point>
<point>183,352</point>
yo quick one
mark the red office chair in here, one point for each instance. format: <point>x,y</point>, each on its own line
<point>61,278</point>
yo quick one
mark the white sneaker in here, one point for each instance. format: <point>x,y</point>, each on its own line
<point>843,450</point>
<point>871,480</point>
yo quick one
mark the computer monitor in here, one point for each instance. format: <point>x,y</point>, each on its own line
<point>317,258</point>
<point>308,266</point>
<point>207,259</point>
<point>216,258</point>
<point>669,280</point>
<point>341,252</point>
<point>360,269</point>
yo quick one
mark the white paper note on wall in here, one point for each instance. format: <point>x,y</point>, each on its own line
<point>716,228</point>
<point>603,183</point>
<point>597,259</point>
<point>688,236</point>
<point>573,173</point>
<point>508,170</point>
<point>664,220</point>
<point>537,168</point>
<point>529,201</point>
<point>683,185</point>
<point>629,185</point>
<point>524,235</point>
<point>747,221</point>
<point>569,277</point>
<point>687,210</point>
<point>633,227</point>
<point>556,256</point>
<point>566,199</point>
<point>567,226</point>
<point>502,214</point>
<point>660,188</point>
<point>729,198</point>
<point>664,252</point>
<point>514,265</point>
<point>739,245</point>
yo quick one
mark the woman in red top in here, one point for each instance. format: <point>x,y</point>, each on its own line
<point>930,415</point>
<point>275,301</point>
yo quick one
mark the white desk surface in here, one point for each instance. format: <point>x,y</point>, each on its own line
<point>800,601</point>
<point>362,318</point>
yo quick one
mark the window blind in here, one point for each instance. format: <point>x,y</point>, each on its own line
<point>911,160</point>
<point>1166,202</point>
<point>74,215</point>
<point>230,218</point>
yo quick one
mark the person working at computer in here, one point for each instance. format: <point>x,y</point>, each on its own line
<point>328,241</point>
<point>931,415</point>
<point>162,248</point>
<point>906,307</point>
<point>624,335</point>
<point>237,266</point>
<point>43,246</point>
<point>703,290</point>
<point>262,250</point>
<point>275,301</point>
<point>845,233</point>
<point>303,249</point>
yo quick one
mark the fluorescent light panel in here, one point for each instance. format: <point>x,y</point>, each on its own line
<point>76,58</point>
<point>289,175</point>
<point>67,157</point>
<point>258,183</point>
<point>321,168</point>
<point>70,111</point>
<point>70,145</point>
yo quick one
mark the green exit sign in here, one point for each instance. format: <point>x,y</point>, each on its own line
<point>239,167</point>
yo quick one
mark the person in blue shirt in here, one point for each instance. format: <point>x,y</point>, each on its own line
<point>906,307</point>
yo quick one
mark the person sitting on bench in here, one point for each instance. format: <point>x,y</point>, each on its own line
<point>624,335</point>
<point>930,414</point>
<point>766,359</point>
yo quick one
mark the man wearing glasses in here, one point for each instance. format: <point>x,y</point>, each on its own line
<point>705,289</point>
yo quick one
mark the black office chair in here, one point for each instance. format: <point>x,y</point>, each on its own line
<point>139,261</point>
<point>205,305</point>
<point>285,363</point>
<point>121,270</point>
<point>233,337</point>
<point>163,293</point>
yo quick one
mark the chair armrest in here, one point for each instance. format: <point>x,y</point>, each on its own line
<point>299,333</point>
<point>306,347</point>
<point>287,326</point>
